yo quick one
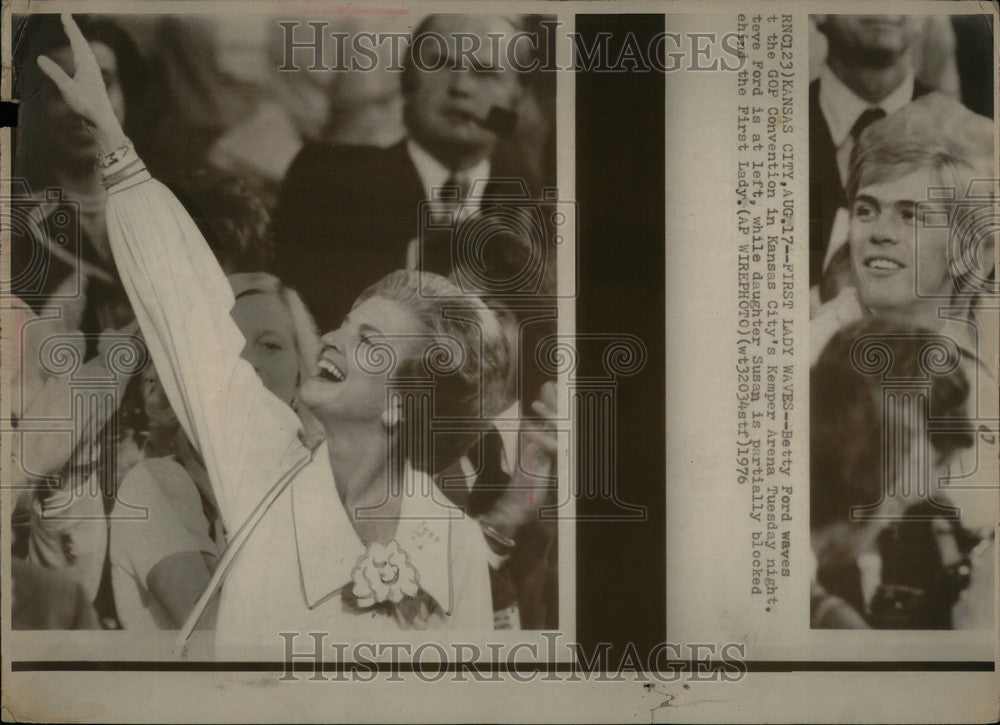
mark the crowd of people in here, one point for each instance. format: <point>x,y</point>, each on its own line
<point>336,425</point>
<point>327,424</point>
<point>904,394</point>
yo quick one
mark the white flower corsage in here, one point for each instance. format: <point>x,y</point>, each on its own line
<point>384,574</point>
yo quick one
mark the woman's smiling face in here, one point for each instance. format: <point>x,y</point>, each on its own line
<point>351,378</point>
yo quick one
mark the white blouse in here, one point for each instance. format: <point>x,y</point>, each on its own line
<point>294,573</point>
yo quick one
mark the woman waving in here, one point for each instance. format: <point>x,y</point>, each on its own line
<point>344,531</point>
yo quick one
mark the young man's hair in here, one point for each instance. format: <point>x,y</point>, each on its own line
<point>937,133</point>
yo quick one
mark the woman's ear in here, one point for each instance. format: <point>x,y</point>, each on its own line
<point>393,415</point>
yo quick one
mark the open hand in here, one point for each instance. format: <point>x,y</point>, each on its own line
<point>85,92</point>
<point>533,477</point>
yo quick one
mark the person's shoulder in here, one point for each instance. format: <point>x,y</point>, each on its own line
<point>815,112</point>
<point>162,479</point>
<point>320,155</point>
<point>338,173</point>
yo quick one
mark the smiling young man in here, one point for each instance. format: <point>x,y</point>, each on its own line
<point>912,252</point>
<point>901,264</point>
<point>923,252</point>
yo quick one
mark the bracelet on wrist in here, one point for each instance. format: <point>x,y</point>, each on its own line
<point>107,160</point>
<point>133,168</point>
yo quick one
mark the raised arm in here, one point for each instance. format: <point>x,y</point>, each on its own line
<point>182,301</point>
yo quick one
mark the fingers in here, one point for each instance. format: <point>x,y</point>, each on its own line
<point>543,441</point>
<point>543,438</point>
<point>58,76</point>
<point>547,394</point>
<point>546,414</point>
<point>81,48</point>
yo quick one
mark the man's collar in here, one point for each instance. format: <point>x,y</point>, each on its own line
<point>841,106</point>
<point>329,547</point>
<point>433,174</point>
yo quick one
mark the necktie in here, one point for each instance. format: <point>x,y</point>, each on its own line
<point>460,180</point>
<point>438,244</point>
<point>866,119</point>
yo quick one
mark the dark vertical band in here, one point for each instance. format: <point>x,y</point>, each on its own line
<point>621,573</point>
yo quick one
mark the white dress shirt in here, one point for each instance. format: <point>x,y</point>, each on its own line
<point>841,108</point>
<point>433,174</point>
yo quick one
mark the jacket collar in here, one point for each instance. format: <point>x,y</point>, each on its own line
<point>329,547</point>
<point>433,174</point>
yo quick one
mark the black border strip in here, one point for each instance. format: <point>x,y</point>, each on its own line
<point>681,666</point>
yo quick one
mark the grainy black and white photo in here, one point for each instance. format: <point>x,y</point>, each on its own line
<point>549,360</point>
<point>315,292</point>
<point>903,406</point>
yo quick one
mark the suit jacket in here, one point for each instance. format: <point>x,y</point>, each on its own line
<point>826,192</point>
<point>344,218</point>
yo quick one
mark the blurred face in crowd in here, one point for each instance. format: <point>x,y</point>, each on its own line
<point>446,107</point>
<point>267,326</point>
<point>356,360</point>
<point>159,415</point>
<point>869,40</point>
<point>896,257</point>
<point>66,128</point>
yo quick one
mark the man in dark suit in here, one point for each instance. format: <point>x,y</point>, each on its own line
<point>867,75</point>
<point>347,215</point>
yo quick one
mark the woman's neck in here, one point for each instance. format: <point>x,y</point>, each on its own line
<point>358,458</point>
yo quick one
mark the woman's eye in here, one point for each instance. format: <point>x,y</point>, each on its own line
<point>270,345</point>
<point>864,211</point>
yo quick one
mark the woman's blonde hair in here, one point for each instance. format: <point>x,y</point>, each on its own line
<point>466,353</point>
